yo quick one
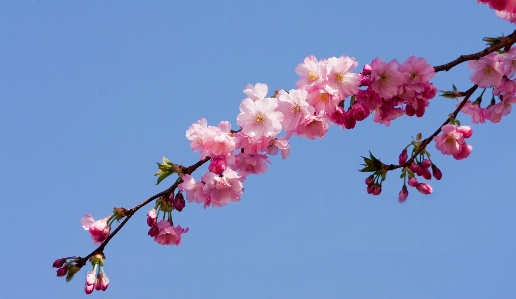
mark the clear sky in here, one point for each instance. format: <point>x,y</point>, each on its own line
<point>92,93</point>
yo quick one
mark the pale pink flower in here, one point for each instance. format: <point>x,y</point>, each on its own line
<point>87,221</point>
<point>195,134</point>
<point>322,101</point>
<point>247,164</point>
<point>385,114</point>
<point>279,145</point>
<point>487,71</point>
<point>464,152</point>
<point>259,118</point>
<point>312,127</point>
<point>218,141</point>
<point>478,114</point>
<point>250,145</point>
<point>294,107</point>
<point>311,73</point>
<point>194,190</point>
<point>220,190</point>
<point>168,234</point>
<point>494,113</point>
<point>385,78</point>
<point>416,71</point>
<point>449,143</point>
<point>341,80</point>
<point>99,230</point>
<point>257,92</point>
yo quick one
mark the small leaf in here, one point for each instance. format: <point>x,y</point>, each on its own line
<point>163,176</point>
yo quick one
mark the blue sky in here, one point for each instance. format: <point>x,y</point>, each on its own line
<point>92,93</point>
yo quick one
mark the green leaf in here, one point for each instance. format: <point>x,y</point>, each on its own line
<point>369,169</point>
<point>454,87</point>
<point>163,176</point>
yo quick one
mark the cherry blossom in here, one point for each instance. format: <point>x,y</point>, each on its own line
<point>168,234</point>
<point>259,118</point>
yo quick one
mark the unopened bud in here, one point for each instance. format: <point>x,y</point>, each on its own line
<point>403,194</point>
<point>436,172</point>
<point>403,157</point>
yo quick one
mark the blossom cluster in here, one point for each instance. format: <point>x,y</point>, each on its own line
<point>496,71</point>
<point>96,279</point>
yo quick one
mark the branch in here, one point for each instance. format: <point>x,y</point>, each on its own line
<point>507,42</point>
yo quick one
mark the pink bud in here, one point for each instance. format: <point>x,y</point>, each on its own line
<point>370,189</point>
<point>413,182</point>
<point>419,170</point>
<point>426,163</point>
<point>151,217</point>
<point>420,112</point>
<point>62,271</point>
<point>377,189</point>
<point>424,188</point>
<point>409,110</point>
<point>359,112</point>
<point>104,282</point>
<point>369,180</point>
<point>466,131</point>
<point>437,172</point>
<point>403,194</point>
<point>153,231</point>
<point>97,284</point>
<point>179,202</point>
<point>338,117</point>
<point>367,70</point>
<point>88,288</point>
<point>403,157</point>
<point>218,165</point>
<point>90,277</point>
<point>349,121</point>
<point>413,167</point>
<point>426,174</point>
<point>58,263</point>
<point>364,80</point>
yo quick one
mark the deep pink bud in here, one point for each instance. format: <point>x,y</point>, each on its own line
<point>377,189</point>
<point>437,172</point>
<point>426,163</point>
<point>426,173</point>
<point>413,182</point>
<point>403,157</point>
<point>420,112</point>
<point>419,169</point>
<point>409,110</point>
<point>466,131</point>
<point>370,189</point>
<point>58,263</point>
<point>349,121</point>
<point>218,165</point>
<point>413,167</point>
<point>364,81</point>
<point>403,194</point>
<point>359,112</point>
<point>153,231</point>
<point>88,288</point>
<point>424,188</point>
<point>338,117</point>
<point>179,202</point>
<point>62,271</point>
<point>369,180</point>
<point>97,284</point>
<point>367,70</point>
<point>104,281</point>
<point>151,217</point>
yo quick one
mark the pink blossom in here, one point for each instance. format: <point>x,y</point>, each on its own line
<point>494,113</point>
<point>259,118</point>
<point>312,127</point>
<point>416,71</point>
<point>311,73</point>
<point>340,78</point>
<point>424,188</point>
<point>385,78</point>
<point>194,190</point>
<point>359,112</point>
<point>168,234</point>
<point>386,113</point>
<point>218,141</point>
<point>279,144</point>
<point>501,5</point>
<point>250,163</point>
<point>195,134</point>
<point>322,101</point>
<point>294,107</point>
<point>464,152</point>
<point>449,143</point>
<point>369,98</point>
<point>151,217</point>
<point>87,221</point>
<point>349,121</point>
<point>510,17</point>
<point>220,190</point>
<point>257,92</point>
<point>478,115</point>
<point>217,165</point>
<point>99,230</point>
<point>487,71</point>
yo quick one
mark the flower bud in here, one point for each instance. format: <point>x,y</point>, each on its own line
<point>153,231</point>
<point>369,180</point>
<point>403,194</point>
<point>179,202</point>
<point>370,189</point>
<point>413,182</point>
<point>426,163</point>
<point>403,157</point>
<point>424,188</point>
<point>409,110</point>
<point>62,271</point>
<point>420,112</point>
<point>58,263</point>
<point>466,131</point>
<point>338,117</point>
<point>364,81</point>
<point>217,165</point>
<point>367,70</point>
<point>104,281</point>
<point>151,217</point>
<point>88,288</point>
<point>349,121</point>
<point>426,174</point>
<point>377,189</point>
<point>90,277</point>
<point>359,112</point>
<point>413,167</point>
<point>436,172</point>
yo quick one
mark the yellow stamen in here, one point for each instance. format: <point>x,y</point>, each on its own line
<point>312,76</point>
